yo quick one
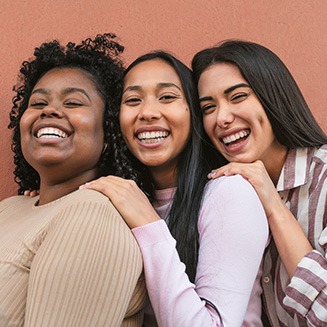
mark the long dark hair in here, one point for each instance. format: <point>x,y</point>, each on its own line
<point>100,59</point>
<point>194,165</point>
<point>291,119</point>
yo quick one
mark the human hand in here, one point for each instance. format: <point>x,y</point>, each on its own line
<point>128,199</point>
<point>30,193</point>
<point>256,174</point>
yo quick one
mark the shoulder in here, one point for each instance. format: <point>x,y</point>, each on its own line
<point>320,154</point>
<point>86,200</point>
<point>86,196</point>
<point>231,193</point>
<point>232,202</point>
<point>228,186</point>
<point>84,208</point>
<point>17,201</point>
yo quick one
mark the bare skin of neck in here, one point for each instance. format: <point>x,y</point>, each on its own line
<point>274,167</point>
<point>163,178</point>
<point>52,189</point>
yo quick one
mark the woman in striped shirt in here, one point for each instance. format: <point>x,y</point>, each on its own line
<point>256,116</point>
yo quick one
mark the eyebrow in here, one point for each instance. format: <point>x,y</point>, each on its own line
<point>205,99</point>
<point>65,91</point>
<point>169,85</point>
<point>230,89</point>
<point>160,85</point>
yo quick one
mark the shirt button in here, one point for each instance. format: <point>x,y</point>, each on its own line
<point>266,280</point>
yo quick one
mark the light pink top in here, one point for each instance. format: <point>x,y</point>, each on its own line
<point>233,232</point>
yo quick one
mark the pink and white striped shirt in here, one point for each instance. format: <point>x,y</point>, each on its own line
<point>301,300</point>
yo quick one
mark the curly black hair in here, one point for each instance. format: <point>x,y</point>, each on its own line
<point>100,58</point>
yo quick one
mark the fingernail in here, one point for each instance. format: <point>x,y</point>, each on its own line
<point>211,174</point>
<point>84,185</point>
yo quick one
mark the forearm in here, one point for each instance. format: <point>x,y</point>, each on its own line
<point>291,242</point>
<point>173,297</point>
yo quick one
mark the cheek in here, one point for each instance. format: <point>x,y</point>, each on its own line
<point>26,120</point>
<point>125,122</point>
<point>25,125</point>
<point>207,124</point>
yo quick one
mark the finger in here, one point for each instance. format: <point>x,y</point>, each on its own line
<point>34,193</point>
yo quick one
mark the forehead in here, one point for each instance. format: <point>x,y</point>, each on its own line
<point>218,75</point>
<point>152,72</point>
<point>66,76</point>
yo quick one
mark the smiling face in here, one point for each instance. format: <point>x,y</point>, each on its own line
<point>155,117</point>
<point>62,127</point>
<point>234,118</point>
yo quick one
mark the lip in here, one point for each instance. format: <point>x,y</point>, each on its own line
<point>239,144</point>
<point>152,128</point>
<point>50,125</point>
<point>230,132</point>
<point>151,143</point>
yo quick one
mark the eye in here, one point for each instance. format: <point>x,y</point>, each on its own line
<point>239,97</point>
<point>73,103</point>
<point>132,101</point>
<point>38,104</point>
<point>207,108</point>
<point>168,98</point>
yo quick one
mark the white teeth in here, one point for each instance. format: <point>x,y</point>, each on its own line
<point>152,137</point>
<point>234,137</point>
<point>50,132</point>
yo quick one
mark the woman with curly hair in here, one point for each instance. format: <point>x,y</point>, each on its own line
<point>66,256</point>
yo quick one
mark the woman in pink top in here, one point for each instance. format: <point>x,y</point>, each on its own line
<point>256,116</point>
<point>202,259</point>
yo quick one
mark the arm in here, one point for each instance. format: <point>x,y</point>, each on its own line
<point>233,234</point>
<point>85,271</point>
<point>224,275</point>
<point>306,292</point>
<point>291,242</point>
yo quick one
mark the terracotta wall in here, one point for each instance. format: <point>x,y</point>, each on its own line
<point>294,29</point>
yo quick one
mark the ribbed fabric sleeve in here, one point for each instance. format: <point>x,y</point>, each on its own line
<point>73,262</point>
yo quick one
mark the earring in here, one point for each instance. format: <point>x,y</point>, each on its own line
<point>104,148</point>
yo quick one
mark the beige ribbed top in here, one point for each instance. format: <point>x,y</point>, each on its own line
<point>72,262</point>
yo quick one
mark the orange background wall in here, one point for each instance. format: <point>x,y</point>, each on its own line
<point>294,29</point>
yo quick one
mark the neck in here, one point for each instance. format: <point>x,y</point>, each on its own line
<point>275,163</point>
<point>53,189</point>
<point>163,178</point>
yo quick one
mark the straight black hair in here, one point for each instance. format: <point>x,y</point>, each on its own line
<point>291,119</point>
<point>196,160</point>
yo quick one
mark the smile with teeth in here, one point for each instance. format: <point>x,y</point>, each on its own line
<point>232,138</point>
<point>152,137</point>
<point>50,132</point>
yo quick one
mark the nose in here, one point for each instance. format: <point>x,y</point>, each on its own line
<point>224,116</point>
<point>149,111</point>
<point>51,110</point>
